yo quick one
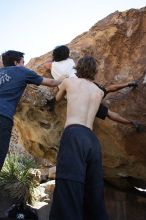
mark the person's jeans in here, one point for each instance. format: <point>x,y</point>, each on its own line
<point>6,125</point>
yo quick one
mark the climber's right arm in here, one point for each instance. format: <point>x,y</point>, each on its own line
<point>62,90</point>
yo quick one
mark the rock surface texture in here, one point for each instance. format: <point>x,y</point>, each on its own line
<point>118,42</point>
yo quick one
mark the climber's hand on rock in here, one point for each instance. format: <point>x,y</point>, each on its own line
<point>135,123</point>
<point>139,126</point>
<point>133,84</point>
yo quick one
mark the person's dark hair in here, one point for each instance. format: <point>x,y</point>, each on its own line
<point>10,56</point>
<point>86,68</point>
<point>60,53</point>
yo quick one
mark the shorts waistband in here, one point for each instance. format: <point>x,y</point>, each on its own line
<point>78,125</point>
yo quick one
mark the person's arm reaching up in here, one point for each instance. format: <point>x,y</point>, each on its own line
<point>62,90</point>
<point>116,87</point>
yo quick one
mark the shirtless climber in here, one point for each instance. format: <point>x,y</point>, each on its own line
<point>78,193</point>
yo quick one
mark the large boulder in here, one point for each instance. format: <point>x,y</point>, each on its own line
<point>118,42</point>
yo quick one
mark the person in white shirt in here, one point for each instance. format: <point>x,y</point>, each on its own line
<point>61,64</point>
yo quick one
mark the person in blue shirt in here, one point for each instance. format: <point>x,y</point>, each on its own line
<point>14,78</point>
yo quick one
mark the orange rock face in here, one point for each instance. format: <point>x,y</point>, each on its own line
<point>119,44</point>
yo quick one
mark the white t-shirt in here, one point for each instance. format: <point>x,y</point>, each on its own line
<point>64,67</point>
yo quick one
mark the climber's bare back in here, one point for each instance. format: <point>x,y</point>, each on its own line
<point>83,100</point>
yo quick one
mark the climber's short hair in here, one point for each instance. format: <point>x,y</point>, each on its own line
<point>60,53</point>
<point>10,56</point>
<point>86,68</point>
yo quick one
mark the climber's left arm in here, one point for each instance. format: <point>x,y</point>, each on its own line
<point>114,116</point>
<point>116,87</point>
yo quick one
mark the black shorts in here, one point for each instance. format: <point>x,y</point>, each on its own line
<point>79,147</point>
<point>102,112</point>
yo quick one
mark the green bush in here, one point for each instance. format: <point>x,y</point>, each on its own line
<point>15,178</point>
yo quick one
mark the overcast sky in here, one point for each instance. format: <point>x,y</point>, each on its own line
<point>36,26</point>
